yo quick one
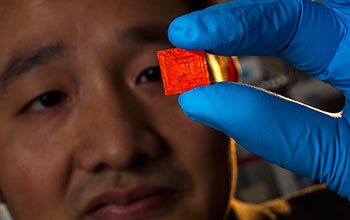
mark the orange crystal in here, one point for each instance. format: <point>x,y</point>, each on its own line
<point>182,70</point>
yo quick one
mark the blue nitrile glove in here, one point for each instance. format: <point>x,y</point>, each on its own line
<point>311,35</point>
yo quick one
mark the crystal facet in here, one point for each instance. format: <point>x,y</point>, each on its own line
<point>183,70</point>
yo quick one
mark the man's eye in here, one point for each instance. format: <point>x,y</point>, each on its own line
<point>46,101</point>
<point>151,74</point>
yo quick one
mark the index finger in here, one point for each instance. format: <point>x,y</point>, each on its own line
<point>304,33</point>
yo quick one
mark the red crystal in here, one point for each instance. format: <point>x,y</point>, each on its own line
<point>182,70</point>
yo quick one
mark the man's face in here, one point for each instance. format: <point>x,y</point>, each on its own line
<point>86,132</point>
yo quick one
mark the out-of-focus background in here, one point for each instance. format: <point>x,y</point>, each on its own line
<point>259,180</point>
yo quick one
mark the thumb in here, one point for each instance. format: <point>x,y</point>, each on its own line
<point>289,134</point>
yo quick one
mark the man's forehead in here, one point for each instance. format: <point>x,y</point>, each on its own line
<point>31,4</point>
<point>37,5</point>
<point>32,12</point>
<point>22,3</point>
<point>25,16</point>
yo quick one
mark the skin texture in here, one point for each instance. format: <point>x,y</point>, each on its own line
<point>107,129</point>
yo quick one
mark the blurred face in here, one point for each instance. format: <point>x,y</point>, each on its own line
<point>86,132</point>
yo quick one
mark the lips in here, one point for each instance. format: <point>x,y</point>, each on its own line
<point>129,204</point>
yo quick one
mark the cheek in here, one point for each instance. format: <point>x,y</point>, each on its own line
<point>204,152</point>
<point>193,142</point>
<point>31,173</point>
<point>35,155</point>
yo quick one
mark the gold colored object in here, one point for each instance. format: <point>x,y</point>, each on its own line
<point>220,68</point>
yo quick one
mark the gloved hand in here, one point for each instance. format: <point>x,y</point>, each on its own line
<point>311,35</point>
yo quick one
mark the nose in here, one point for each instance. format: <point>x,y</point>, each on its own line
<point>115,135</point>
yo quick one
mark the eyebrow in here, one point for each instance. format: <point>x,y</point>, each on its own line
<point>26,60</point>
<point>146,33</point>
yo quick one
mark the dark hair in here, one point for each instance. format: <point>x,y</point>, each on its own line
<point>200,4</point>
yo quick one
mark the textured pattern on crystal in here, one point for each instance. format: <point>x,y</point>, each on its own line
<point>183,70</point>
